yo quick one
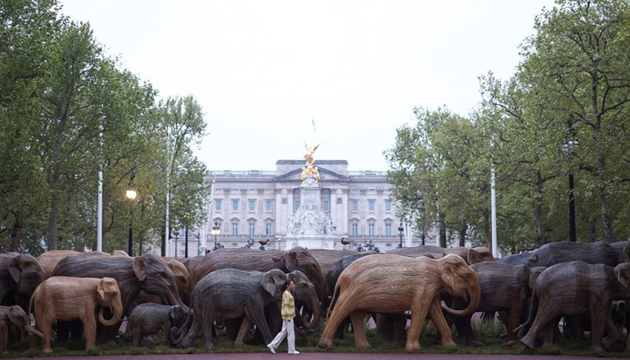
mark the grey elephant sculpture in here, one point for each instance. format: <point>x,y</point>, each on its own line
<point>14,316</point>
<point>231,293</point>
<point>149,319</point>
<point>596,286</point>
<point>566,251</point>
<point>19,277</point>
<point>504,287</point>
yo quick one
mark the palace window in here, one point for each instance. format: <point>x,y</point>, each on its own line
<point>235,228</point>
<point>234,205</point>
<point>252,205</point>
<point>371,205</point>
<point>355,229</point>
<point>268,206</point>
<point>218,204</point>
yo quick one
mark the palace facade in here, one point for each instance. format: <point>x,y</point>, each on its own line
<point>252,206</point>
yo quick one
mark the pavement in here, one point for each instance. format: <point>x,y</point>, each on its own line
<point>326,356</point>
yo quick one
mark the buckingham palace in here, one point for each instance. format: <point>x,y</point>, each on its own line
<point>247,208</point>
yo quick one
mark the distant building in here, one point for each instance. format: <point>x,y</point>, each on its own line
<point>258,205</point>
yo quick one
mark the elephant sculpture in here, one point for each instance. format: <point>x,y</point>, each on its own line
<point>395,284</point>
<point>503,288</point>
<point>148,319</point>
<point>255,260</point>
<point>566,251</point>
<point>516,259</point>
<point>471,255</point>
<point>231,293</point>
<point>15,317</point>
<point>576,288</point>
<point>19,277</point>
<point>69,298</point>
<point>327,258</point>
<point>148,273</point>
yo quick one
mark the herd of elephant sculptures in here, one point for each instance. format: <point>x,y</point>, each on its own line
<point>83,295</point>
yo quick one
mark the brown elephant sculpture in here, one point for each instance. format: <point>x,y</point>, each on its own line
<point>13,316</point>
<point>69,298</point>
<point>395,284</point>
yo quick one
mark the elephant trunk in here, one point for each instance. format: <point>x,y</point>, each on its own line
<point>34,331</point>
<point>474,297</point>
<point>117,310</point>
<point>316,314</point>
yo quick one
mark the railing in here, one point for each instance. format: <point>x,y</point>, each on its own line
<point>231,173</point>
<point>367,173</point>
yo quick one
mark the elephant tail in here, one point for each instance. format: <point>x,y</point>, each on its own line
<point>531,311</point>
<point>333,299</point>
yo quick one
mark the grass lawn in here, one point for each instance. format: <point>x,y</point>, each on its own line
<point>487,333</point>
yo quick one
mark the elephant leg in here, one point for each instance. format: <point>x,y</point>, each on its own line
<point>4,338</point>
<point>256,316</point>
<point>437,316</point>
<point>469,333</point>
<point>89,328</point>
<point>613,334</point>
<point>344,305</point>
<point>419,312</point>
<point>512,322</point>
<point>207,335</point>
<point>543,317</point>
<point>599,318</point>
<point>245,326</point>
<point>548,332</point>
<point>398,327</point>
<point>360,339</point>
<point>46,330</point>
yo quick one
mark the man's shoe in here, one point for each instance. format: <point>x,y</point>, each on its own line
<point>273,351</point>
<point>294,352</point>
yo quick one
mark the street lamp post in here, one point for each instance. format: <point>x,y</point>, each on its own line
<point>400,232</point>
<point>568,147</point>
<point>215,232</point>
<point>131,195</point>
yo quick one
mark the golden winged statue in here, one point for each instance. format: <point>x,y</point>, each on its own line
<point>309,169</point>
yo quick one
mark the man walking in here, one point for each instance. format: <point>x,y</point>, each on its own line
<point>288,313</point>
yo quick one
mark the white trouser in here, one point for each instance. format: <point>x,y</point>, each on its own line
<point>287,328</point>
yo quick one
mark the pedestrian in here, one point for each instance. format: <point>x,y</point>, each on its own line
<point>288,313</point>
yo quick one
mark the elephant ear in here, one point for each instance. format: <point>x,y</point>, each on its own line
<point>473,257</point>
<point>534,274</point>
<point>272,279</point>
<point>623,274</point>
<point>448,273</point>
<point>626,254</point>
<point>100,289</point>
<point>140,267</point>
<point>292,261</point>
<point>15,270</point>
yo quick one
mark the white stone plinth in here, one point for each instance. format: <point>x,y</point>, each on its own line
<point>310,242</point>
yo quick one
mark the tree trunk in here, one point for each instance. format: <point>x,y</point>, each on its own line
<point>591,235</point>
<point>540,226</point>
<point>16,234</point>
<point>53,219</point>
<point>442,225</point>
<point>462,233</point>
<point>607,226</point>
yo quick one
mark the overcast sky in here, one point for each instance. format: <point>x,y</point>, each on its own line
<point>262,70</point>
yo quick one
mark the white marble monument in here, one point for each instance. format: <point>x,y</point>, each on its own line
<point>310,227</point>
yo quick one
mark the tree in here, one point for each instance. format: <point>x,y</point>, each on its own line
<point>578,59</point>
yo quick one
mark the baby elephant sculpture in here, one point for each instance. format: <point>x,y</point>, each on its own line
<point>16,317</point>
<point>147,319</point>
<point>70,298</point>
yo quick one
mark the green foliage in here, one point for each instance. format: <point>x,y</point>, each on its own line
<point>67,112</point>
<point>573,84</point>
